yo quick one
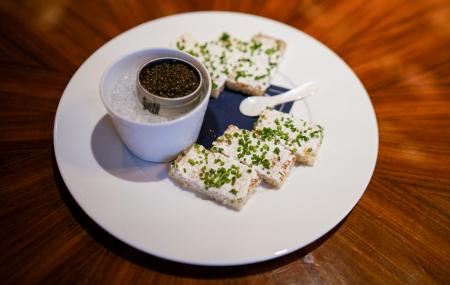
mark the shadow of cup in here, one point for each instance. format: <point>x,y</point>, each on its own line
<point>114,157</point>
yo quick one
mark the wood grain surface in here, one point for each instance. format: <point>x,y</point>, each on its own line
<point>399,232</point>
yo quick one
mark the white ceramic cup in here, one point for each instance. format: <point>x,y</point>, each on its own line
<point>156,142</point>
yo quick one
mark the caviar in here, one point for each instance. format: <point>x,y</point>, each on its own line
<point>169,78</point>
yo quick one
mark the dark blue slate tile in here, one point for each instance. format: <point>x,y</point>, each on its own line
<point>224,111</point>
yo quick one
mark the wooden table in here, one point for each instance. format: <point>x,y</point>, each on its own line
<point>398,233</point>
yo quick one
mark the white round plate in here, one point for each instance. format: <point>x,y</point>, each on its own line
<point>135,200</point>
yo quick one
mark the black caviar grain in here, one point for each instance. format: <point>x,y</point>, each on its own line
<point>170,79</point>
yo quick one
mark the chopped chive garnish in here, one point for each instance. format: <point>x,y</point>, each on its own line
<point>233,191</point>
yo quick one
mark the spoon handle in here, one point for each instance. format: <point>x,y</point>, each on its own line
<point>298,93</point>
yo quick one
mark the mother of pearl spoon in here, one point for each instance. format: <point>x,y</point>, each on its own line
<point>252,106</point>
